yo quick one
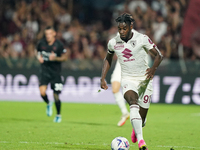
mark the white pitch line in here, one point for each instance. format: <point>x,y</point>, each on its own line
<point>25,142</point>
<point>196,114</point>
<point>190,147</point>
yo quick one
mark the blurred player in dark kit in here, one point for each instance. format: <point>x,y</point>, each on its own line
<point>50,53</point>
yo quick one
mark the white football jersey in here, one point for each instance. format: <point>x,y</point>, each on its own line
<point>133,55</point>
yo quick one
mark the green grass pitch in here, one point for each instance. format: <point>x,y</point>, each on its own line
<point>25,126</point>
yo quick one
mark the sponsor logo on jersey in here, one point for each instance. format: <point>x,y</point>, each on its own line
<point>127,54</point>
<point>118,46</point>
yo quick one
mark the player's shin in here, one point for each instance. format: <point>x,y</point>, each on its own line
<point>45,98</point>
<point>57,103</point>
<point>120,102</point>
<point>136,121</point>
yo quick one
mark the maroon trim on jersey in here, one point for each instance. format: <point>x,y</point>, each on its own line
<point>136,119</point>
<point>134,106</point>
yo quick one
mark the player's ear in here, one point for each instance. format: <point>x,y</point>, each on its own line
<point>54,33</point>
<point>131,26</point>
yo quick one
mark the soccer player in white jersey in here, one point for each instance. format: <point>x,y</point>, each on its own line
<point>116,84</point>
<point>132,50</point>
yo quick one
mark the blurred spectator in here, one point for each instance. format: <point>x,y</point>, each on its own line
<point>18,46</point>
<point>159,28</point>
<point>63,17</point>
<point>32,24</point>
<point>85,27</point>
<point>133,5</point>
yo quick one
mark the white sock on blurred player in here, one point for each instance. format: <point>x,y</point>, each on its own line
<point>121,103</point>
<point>136,121</point>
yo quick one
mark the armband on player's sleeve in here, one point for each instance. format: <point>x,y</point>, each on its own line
<point>110,52</point>
<point>110,49</point>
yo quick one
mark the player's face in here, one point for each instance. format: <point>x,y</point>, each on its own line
<point>124,31</point>
<point>50,35</point>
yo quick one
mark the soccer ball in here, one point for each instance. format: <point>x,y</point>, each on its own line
<point>120,143</point>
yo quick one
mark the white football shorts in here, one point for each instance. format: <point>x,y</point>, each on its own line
<point>131,83</point>
<point>116,75</point>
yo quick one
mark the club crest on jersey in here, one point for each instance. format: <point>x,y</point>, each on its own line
<point>133,43</point>
<point>126,85</point>
<point>118,46</point>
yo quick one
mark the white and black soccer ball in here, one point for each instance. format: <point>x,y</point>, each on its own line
<point>120,143</point>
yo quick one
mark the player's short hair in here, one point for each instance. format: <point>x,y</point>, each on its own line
<point>49,27</point>
<point>125,17</point>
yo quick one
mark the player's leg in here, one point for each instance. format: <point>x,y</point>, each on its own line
<point>57,102</point>
<point>135,117</point>
<point>144,103</point>
<point>58,107</point>
<point>143,113</point>
<point>57,86</point>
<point>136,120</point>
<point>120,102</point>
<point>43,87</point>
<point>115,81</point>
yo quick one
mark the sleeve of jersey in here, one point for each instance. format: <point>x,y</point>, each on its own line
<point>148,44</point>
<point>38,47</point>
<point>110,48</point>
<point>63,50</point>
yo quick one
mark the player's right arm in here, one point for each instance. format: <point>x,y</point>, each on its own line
<point>106,66</point>
<point>38,53</point>
<point>39,56</point>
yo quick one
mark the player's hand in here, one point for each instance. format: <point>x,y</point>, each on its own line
<point>41,60</point>
<point>104,84</point>
<point>52,56</point>
<point>150,73</point>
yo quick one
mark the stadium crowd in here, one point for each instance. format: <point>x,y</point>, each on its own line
<point>86,26</point>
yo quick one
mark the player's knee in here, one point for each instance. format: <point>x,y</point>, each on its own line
<point>133,101</point>
<point>115,87</point>
<point>115,90</point>
<point>56,97</point>
<point>43,93</point>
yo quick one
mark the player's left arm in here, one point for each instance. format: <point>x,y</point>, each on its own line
<point>62,57</point>
<point>157,60</point>
<point>53,57</point>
